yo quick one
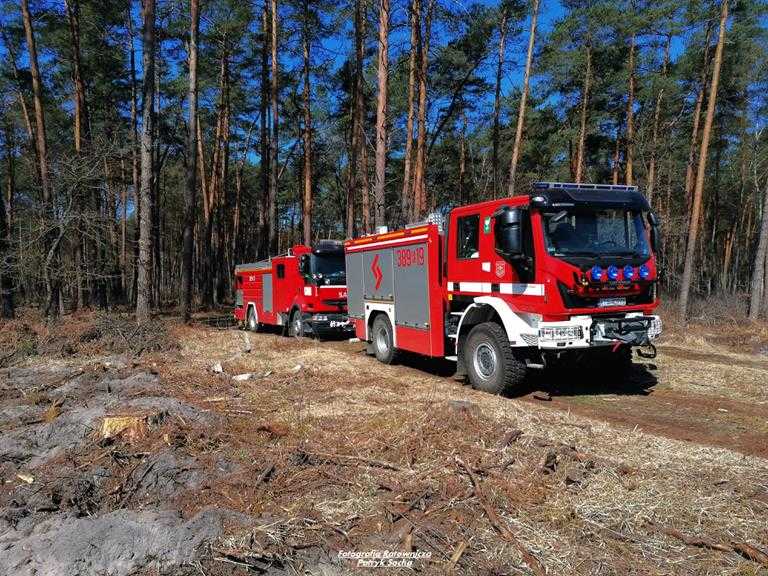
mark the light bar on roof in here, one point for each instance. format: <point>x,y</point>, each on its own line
<point>575,186</point>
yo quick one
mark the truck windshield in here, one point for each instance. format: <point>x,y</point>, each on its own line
<point>329,268</point>
<point>592,232</point>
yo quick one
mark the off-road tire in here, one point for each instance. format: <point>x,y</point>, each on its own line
<point>296,325</point>
<point>252,323</point>
<point>382,340</point>
<point>490,361</point>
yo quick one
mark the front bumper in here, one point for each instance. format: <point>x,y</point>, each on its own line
<point>327,322</point>
<point>586,331</point>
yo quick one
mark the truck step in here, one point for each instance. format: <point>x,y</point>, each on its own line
<point>534,365</point>
<point>452,358</point>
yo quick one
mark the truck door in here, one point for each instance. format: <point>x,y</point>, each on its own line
<point>470,252</point>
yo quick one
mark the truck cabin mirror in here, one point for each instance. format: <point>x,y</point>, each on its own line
<point>655,222</point>
<point>304,265</point>
<point>508,232</point>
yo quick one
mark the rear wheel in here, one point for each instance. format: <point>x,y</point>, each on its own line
<point>296,325</point>
<point>252,322</point>
<point>383,339</point>
<point>489,360</point>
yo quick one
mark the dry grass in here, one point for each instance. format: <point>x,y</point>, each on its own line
<point>335,451</point>
<point>361,455</point>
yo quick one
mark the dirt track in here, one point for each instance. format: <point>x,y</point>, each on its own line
<point>716,398</point>
<point>319,449</point>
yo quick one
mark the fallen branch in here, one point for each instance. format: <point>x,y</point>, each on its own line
<point>751,553</point>
<point>500,526</point>
<point>456,556</point>
<point>369,461</point>
<point>741,548</point>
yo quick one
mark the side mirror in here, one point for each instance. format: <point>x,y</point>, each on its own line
<point>508,232</point>
<point>655,222</point>
<point>304,264</point>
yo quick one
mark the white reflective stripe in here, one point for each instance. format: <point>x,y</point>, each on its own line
<point>386,242</point>
<point>486,288</point>
<point>333,286</point>
<point>473,287</point>
<point>522,289</point>
<point>307,290</point>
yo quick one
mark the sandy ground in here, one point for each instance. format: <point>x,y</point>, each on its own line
<point>317,450</point>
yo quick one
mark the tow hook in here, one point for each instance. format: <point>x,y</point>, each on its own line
<point>650,354</point>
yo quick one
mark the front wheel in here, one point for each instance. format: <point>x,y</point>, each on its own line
<point>383,339</point>
<point>296,324</point>
<point>489,359</point>
<point>252,322</point>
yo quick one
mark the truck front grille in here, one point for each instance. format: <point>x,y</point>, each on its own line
<point>572,300</point>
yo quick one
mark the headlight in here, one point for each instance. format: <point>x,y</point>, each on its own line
<point>613,272</point>
<point>654,330</point>
<point>561,333</point>
<point>644,272</point>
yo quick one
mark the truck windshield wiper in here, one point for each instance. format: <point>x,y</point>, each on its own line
<point>578,253</point>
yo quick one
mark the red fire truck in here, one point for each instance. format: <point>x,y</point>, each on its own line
<point>303,291</point>
<point>508,285</point>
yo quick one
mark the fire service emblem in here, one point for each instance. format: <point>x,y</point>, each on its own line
<point>501,268</point>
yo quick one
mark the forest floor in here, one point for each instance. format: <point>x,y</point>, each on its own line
<point>170,449</point>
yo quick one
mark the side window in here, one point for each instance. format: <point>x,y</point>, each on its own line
<point>281,270</point>
<point>468,240</point>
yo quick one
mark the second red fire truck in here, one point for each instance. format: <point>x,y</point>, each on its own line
<point>512,284</point>
<point>303,291</point>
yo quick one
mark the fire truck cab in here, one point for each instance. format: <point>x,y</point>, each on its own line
<point>508,285</point>
<point>303,291</point>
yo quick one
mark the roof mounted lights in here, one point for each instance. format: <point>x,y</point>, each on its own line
<point>579,186</point>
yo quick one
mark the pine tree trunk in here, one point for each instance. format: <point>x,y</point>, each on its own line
<point>357,177</point>
<point>50,242</point>
<point>497,104</point>
<point>685,283</point>
<point>135,178</point>
<point>19,93</point>
<point>651,185</point>
<point>307,207</point>
<point>273,156</point>
<point>73,17</point>
<point>7,308</point>
<point>81,107</point>
<point>523,100</point>
<point>419,186</point>
<point>583,116</point>
<point>144,284</point>
<point>406,199</point>
<point>381,114</point>
<point>689,170</point>
<point>757,286</point>
<point>190,190</point>
<point>629,176</point>
<point>264,222</point>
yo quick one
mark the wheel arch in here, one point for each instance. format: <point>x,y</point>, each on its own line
<point>518,326</point>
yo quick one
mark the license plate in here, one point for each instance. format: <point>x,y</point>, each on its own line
<point>338,324</point>
<point>609,302</point>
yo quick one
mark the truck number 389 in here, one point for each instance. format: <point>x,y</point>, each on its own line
<point>410,257</point>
